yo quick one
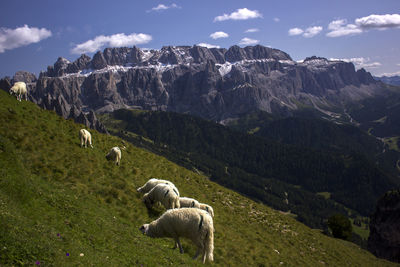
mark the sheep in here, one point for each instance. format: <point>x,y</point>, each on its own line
<point>187,202</point>
<point>85,136</point>
<point>115,155</point>
<point>194,224</point>
<point>19,89</point>
<point>166,194</point>
<point>152,183</point>
<point>207,208</point>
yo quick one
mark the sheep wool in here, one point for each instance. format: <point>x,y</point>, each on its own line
<point>115,155</point>
<point>187,202</point>
<point>194,224</point>
<point>207,208</point>
<point>151,183</point>
<point>19,89</point>
<point>166,194</point>
<point>85,137</point>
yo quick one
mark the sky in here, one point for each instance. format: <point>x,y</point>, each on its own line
<point>33,34</point>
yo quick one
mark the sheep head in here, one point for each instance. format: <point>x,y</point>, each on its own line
<point>144,228</point>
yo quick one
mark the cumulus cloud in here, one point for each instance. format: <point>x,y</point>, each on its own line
<point>360,62</point>
<point>379,21</point>
<point>22,36</point>
<point>295,31</point>
<point>208,45</point>
<point>217,35</point>
<point>308,33</point>
<point>312,31</point>
<point>252,30</point>
<point>239,14</point>
<point>389,74</point>
<point>342,28</point>
<point>277,19</point>
<point>248,41</point>
<point>115,40</point>
<point>162,7</point>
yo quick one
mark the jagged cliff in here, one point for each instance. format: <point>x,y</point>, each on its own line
<point>214,83</point>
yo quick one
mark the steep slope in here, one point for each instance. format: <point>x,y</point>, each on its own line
<point>58,200</point>
<point>262,168</point>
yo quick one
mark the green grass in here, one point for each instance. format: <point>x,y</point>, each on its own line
<point>362,230</point>
<point>57,198</point>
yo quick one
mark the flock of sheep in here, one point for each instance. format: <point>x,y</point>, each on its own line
<point>185,217</point>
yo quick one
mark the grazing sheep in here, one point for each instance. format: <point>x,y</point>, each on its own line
<point>166,194</point>
<point>85,136</point>
<point>187,202</point>
<point>19,89</point>
<point>194,224</point>
<point>115,155</point>
<point>152,183</point>
<point>207,208</point>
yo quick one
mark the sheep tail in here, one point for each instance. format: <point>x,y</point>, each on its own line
<point>209,246</point>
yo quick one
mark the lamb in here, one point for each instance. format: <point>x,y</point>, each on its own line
<point>166,194</point>
<point>194,224</point>
<point>85,136</point>
<point>19,89</point>
<point>207,208</point>
<point>152,183</point>
<point>187,202</point>
<point>115,155</point>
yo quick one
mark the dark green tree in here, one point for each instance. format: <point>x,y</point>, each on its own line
<point>340,226</point>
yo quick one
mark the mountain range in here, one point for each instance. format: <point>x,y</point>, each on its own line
<point>213,83</point>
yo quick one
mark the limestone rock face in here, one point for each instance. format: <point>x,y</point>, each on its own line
<point>216,84</point>
<point>384,238</point>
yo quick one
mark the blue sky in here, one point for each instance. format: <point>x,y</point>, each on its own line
<point>33,34</point>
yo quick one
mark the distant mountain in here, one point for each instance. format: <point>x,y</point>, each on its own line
<point>216,84</point>
<point>392,80</point>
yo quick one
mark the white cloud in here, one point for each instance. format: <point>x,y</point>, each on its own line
<point>389,74</point>
<point>162,7</point>
<point>252,30</point>
<point>248,41</point>
<point>208,45</point>
<point>239,14</point>
<point>341,28</point>
<point>308,33</point>
<point>115,40</point>
<point>217,35</point>
<point>379,21</point>
<point>360,62</point>
<point>277,19</point>
<point>295,31</point>
<point>22,36</point>
<point>312,31</point>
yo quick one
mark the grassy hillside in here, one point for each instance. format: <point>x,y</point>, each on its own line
<point>58,200</point>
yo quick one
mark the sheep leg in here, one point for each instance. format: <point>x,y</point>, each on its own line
<point>177,242</point>
<point>197,254</point>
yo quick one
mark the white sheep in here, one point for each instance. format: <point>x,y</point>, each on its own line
<point>207,208</point>
<point>115,155</point>
<point>166,194</point>
<point>151,183</point>
<point>19,89</point>
<point>187,202</point>
<point>194,224</point>
<point>85,137</point>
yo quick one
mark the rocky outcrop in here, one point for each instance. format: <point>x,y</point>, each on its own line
<point>215,83</point>
<point>384,238</point>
